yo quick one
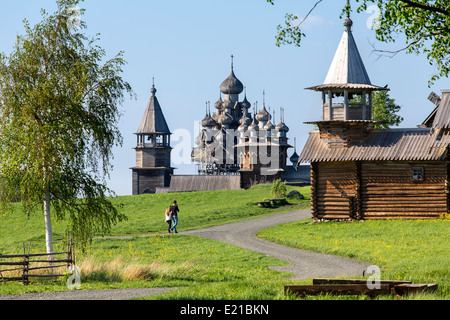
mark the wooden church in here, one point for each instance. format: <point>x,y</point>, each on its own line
<point>359,172</point>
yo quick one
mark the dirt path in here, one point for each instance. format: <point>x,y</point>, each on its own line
<point>104,294</point>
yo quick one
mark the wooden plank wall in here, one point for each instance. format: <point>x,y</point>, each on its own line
<point>153,157</point>
<point>388,191</point>
<point>338,112</point>
<point>183,183</point>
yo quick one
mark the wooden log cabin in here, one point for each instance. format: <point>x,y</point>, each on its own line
<point>359,172</point>
<point>392,173</point>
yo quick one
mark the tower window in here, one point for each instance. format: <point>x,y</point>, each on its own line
<point>159,140</point>
<point>417,173</point>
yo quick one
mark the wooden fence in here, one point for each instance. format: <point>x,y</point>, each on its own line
<point>26,266</point>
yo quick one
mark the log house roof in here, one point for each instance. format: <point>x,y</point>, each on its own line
<point>382,145</point>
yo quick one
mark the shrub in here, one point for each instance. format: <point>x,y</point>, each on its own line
<point>278,189</point>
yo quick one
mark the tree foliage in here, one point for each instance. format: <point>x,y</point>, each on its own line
<point>59,112</point>
<point>278,189</point>
<point>424,24</point>
<point>384,109</point>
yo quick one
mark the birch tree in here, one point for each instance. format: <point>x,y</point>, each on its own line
<point>59,110</point>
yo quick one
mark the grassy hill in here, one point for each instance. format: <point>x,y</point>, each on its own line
<point>146,214</point>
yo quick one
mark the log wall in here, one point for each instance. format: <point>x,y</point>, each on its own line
<point>387,190</point>
<point>378,190</point>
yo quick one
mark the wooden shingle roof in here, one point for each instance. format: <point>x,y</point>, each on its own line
<point>442,116</point>
<point>347,70</point>
<point>153,120</point>
<point>382,145</point>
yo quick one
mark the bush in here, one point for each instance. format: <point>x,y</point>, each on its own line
<point>294,194</point>
<point>278,189</point>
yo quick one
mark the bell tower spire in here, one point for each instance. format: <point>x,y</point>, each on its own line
<point>346,94</point>
<point>347,79</point>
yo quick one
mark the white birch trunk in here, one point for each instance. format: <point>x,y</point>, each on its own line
<point>48,225</point>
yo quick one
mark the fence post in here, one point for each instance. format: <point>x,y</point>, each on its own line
<point>26,262</point>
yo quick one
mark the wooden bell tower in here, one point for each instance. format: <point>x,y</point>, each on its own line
<point>153,163</point>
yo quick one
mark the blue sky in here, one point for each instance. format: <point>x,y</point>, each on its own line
<point>186,46</point>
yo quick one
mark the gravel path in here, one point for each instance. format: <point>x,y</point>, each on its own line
<point>303,264</point>
<point>106,294</point>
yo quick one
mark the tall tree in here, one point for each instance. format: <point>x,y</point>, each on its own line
<point>384,109</point>
<point>425,25</point>
<point>59,110</point>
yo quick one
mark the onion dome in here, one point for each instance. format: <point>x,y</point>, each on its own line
<point>245,122</point>
<point>245,104</point>
<point>225,118</point>
<point>245,119</point>
<point>253,126</point>
<point>228,104</point>
<point>208,121</point>
<point>294,158</point>
<point>243,127</point>
<point>219,104</point>
<point>263,115</point>
<point>231,85</point>
<point>215,116</point>
<point>282,127</point>
<point>269,126</point>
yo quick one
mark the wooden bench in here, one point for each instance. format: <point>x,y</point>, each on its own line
<point>272,202</point>
<point>264,204</point>
<point>357,287</point>
<point>278,201</point>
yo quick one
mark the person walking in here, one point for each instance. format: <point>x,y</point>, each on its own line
<point>168,219</point>
<point>174,213</point>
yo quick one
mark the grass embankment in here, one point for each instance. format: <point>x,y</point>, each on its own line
<point>146,214</point>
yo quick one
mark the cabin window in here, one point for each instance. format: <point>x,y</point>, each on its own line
<point>417,173</point>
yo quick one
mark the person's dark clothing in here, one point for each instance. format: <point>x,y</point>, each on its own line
<point>174,210</point>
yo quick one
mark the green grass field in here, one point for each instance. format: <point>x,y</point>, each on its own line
<point>206,269</point>
<point>414,250</point>
<point>146,214</point>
